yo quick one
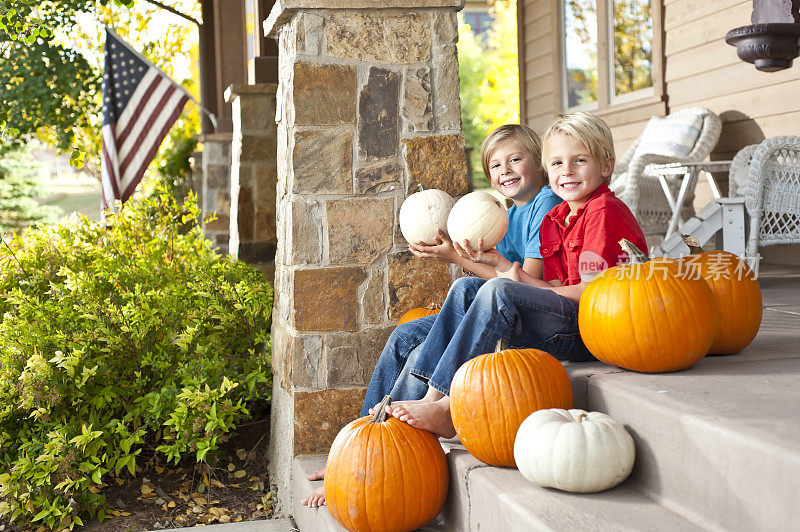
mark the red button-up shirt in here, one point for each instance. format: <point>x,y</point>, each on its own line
<point>590,243</point>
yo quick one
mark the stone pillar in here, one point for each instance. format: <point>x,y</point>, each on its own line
<point>254,175</point>
<point>215,188</point>
<point>368,108</point>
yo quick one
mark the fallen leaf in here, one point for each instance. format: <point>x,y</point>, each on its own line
<point>120,482</point>
<point>225,519</point>
<point>198,509</point>
<point>171,504</point>
<point>240,474</point>
<point>231,467</point>
<point>146,489</point>
<point>216,483</point>
<point>241,454</point>
<point>238,519</point>
<point>159,469</point>
<point>254,487</point>
<point>200,500</point>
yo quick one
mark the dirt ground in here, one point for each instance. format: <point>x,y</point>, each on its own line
<point>162,496</point>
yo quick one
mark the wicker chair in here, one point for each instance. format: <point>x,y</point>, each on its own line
<point>636,185</point>
<point>772,194</point>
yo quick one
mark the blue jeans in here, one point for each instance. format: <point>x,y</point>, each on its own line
<point>391,375</point>
<point>477,313</point>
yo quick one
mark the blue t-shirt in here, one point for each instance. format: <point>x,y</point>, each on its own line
<point>522,238</point>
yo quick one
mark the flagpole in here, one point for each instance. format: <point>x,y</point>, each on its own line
<point>210,115</point>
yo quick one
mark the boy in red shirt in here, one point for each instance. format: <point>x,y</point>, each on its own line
<point>579,238</point>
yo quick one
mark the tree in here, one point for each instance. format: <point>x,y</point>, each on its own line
<point>51,70</point>
<point>489,80</point>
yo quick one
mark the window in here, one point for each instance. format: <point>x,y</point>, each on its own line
<point>479,20</point>
<point>608,52</point>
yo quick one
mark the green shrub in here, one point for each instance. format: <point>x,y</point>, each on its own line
<point>117,337</point>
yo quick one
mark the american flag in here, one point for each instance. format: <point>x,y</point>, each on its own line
<point>140,104</point>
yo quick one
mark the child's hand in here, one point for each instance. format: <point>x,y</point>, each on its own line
<point>490,257</point>
<point>443,249</point>
<point>512,273</point>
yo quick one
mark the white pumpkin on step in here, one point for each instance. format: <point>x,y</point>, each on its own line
<point>574,450</point>
<point>478,215</point>
<point>423,213</point>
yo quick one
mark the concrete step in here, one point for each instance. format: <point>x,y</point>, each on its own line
<point>716,443</point>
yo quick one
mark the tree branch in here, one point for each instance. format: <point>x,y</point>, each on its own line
<point>174,11</point>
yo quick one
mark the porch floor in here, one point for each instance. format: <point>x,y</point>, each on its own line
<point>716,445</point>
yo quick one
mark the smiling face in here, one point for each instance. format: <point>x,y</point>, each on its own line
<point>574,174</point>
<point>514,172</point>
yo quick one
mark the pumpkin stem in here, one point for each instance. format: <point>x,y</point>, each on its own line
<point>380,414</point>
<point>693,244</point>
<point>501,345</point>
<point>420,187</point>
<point>637,257</point>
<point>581,417</point>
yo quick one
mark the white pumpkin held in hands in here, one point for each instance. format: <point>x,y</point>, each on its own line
<point>574,450</point>
<point>423,213</point>
<point>478,215</point>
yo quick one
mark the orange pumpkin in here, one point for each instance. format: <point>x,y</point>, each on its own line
<point>737,296</point>
<point>492,394</point>
<point>646,316</point>
<point>416,313</point>
<point>383,474</point>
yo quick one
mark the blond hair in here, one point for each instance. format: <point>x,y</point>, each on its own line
<point>586,128</point>
<point>519,133</point>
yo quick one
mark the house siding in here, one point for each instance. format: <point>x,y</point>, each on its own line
<point>700,68</point>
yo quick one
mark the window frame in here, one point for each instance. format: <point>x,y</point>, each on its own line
<point>607,101</point>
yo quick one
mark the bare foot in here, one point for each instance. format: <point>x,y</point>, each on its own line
<point>319,474</point>
<point>314,499</point>
<point>433,416</point>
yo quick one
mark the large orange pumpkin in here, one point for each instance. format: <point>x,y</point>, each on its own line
<point>492,394</point>
<point>645,316</point>
<point>383,474</point>
<point>416,313</point>
<point>737,296</point>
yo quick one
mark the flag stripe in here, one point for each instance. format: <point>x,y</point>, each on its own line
<point>132,113</point>
<point>178,108</point>
<point>141,122</point>
<point>148,137</point>
<point>132,146</point>
<point>110,166</point>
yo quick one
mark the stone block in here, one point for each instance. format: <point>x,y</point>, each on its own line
<point>306,223</point>
<point>257,252</point>
<point>307,364</point>
<point>402,38</point>
<point>373,301</point>
<point>256,148</point>
<point>359,230</point>
<point>447,104</point>
<point>324,95</point>
<point>376,179</point>
<point>221,223</point>
<point>323,162</point>
<point>265,229</point>
<point>437,162</point>
<point>223,202</point>
<point>416,106</point>
<point>351,357</point>
<point>414,282</point>
<point>325,299</point>
<point>266,180</point>
<point>218,176</point>
<point>256,113</point>
<point>320,415</point>
<point>445,27</point>
<point>377,114</point>
<point>245,215</point>
<point>313,33</point>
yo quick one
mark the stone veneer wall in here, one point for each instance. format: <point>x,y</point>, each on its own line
<point>368,109</point>
<point>215,186</point>
<point>254,175</point>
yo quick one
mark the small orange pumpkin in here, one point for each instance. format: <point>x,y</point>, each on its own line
<point>492,394</point>
<point>416,313</point>
<point>737,296</point>
<point>645,316</point>
<point>383,474</point>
